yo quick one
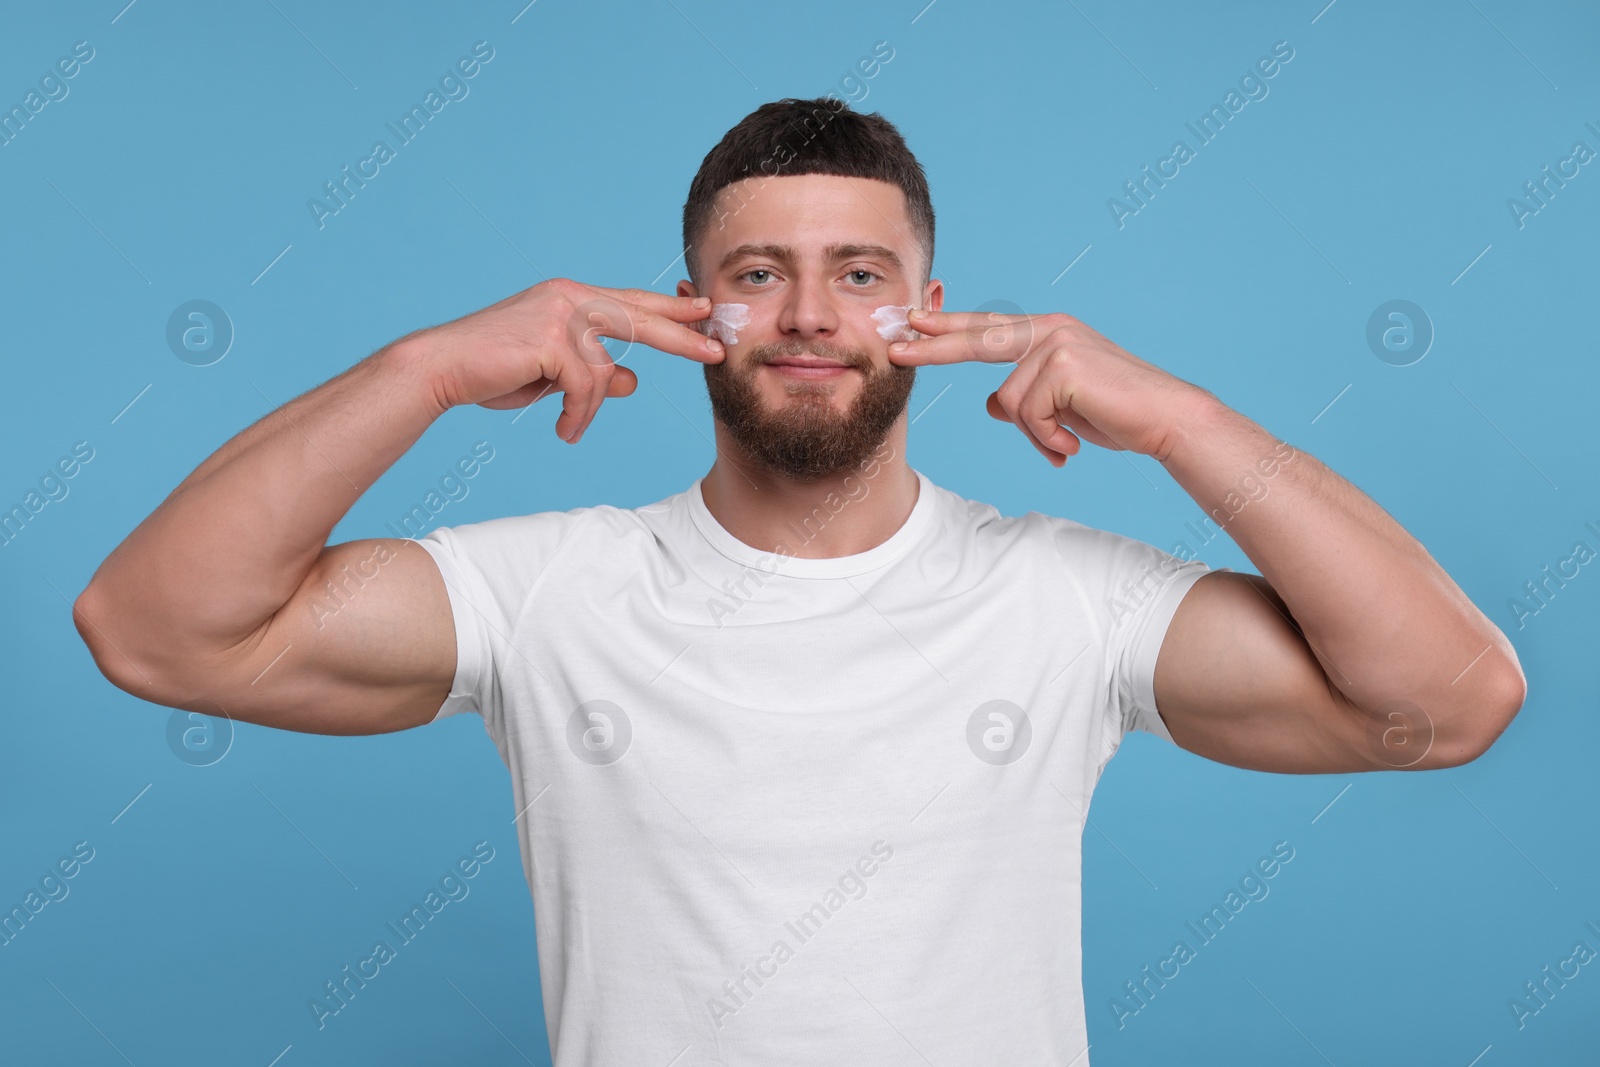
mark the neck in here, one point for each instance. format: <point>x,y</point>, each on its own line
<point>839,515</point>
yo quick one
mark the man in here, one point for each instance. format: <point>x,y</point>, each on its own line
<point>801,754</point>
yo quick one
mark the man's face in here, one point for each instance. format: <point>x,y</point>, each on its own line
<point>812,255</point>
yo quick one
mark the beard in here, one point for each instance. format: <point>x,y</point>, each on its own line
<point>805,439</point>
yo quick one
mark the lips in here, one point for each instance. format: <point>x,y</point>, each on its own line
<point>805,361</point>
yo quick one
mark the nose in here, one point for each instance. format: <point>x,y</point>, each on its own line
<point>808,311</point>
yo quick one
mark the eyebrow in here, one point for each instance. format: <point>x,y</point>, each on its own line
<point>832,253</point>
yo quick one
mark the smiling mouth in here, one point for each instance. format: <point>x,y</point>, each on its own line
<point>808,362</point>
<point>817,370</point>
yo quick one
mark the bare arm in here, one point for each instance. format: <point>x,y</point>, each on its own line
<point>223,577</point>
<point>1352,651</point>
<point>220,600</point>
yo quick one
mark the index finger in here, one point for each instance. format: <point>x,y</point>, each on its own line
<point>610,314</point>
<point>962,336</point>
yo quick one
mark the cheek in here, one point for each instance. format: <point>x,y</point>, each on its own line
<point>867,325</point>
<point>889,322</point>
<point>727,321</point>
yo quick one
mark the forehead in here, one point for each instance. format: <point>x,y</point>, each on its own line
<point>810,212</point>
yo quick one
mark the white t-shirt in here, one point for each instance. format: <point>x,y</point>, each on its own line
<point>778,810</point>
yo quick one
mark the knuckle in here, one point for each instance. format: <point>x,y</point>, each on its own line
<point>573,291</point>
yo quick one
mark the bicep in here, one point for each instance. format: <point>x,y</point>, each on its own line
<point>1236,682</point>
<point>366,645</point>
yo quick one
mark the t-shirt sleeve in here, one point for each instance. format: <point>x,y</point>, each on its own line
<point>1133,590</point>
<point>491,570</point>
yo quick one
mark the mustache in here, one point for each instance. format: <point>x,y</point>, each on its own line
<point>850,357</point>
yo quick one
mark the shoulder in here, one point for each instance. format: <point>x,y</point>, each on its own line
<point>514,544</point>
<point>981,522</point>
<point>1083,547</point>
<point>1090,557</point>
<point>535,527</point>
<point>1050,534</point>
<point>513,547</point>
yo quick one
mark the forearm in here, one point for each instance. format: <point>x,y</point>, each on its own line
<point>1383,618</point>
<point>231,544</point>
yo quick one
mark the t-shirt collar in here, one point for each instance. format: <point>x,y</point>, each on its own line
<point>834,567</point>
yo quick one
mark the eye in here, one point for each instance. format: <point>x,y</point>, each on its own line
<point>757,270</point>
<point>868,275</point>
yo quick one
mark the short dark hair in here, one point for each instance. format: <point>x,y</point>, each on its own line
<point>819,136</point>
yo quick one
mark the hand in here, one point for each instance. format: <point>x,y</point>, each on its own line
<point>546,338</point>
<point>1066,374</point>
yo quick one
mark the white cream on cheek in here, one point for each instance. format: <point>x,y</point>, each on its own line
<point>725,322</point>
<point>893,324</point>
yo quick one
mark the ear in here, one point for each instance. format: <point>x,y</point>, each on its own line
<point>686,288</point>
<point>933,295</point>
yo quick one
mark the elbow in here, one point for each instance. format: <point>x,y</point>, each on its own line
<point>93,620</point>
<point>1514,687</point>
<point>89,620</point>
<point>1503,698</point>
<point>1497,704</point>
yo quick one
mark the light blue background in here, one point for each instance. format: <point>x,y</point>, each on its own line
<point>1378,168</point>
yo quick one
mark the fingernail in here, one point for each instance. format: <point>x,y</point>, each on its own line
<point>701,301</point>
<point>714,347</point>
<point>915,313</point>
<point>898,346</point>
